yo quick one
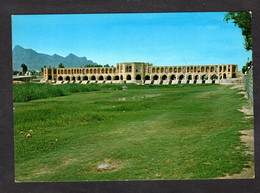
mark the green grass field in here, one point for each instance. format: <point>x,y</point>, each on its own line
<point>159,132</point>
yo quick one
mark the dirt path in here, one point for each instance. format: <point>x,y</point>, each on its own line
<point>247,138</point>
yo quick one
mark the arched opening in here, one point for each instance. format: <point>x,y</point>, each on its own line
<point>162,70</point>
<point>128,77</point>
<point>60,78</point>
<point>196,78</point>
<point>116,78</point>
<point>67,78</point>
<point>214,78</point>
<point>90,71</point>
<point>224,76</point>
<point>93,78</point>
<point>173,77</point>
<point>147,77</point>
<point>49,77</point>
<point>157,70</point>
<point>85,78</point>
<point>110,70</point>
<point>95,71</point>
<point>189,78</point>
<point>202,69</point>
<point>121,77</point>
<point>164,77</point>
<point>170,70</point>
<point>153,70</point>
<point>220,69</point>
<point>234,75</point>
<point>79,78</point>
<point>138,77</point>
<point>109,78</point>
<point>100,78</point>
<point>129,68</point>
<point>188,69</point>
<point>180,78</point>
<point>212,69</point>
<point>102,71</point>
<point>179,69</point>
<point>155,77</point>
<point>73,78</point>
<point>203,78</point>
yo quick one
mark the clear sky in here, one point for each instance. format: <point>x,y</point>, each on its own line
<point>159,38</point>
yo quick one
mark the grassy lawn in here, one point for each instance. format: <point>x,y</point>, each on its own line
<point>160,132</point>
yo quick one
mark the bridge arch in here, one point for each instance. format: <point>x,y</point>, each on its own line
<point>173,77</point>
<point>100,78</point>
<point>138,77</point>
<point>155,77</point>
<point>164,77</point>
<point>128,77</point>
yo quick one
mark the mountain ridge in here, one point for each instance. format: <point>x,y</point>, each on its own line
<point>36,61</point>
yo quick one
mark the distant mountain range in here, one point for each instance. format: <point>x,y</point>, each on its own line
<point>35,60</point>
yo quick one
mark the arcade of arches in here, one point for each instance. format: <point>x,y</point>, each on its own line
<point>145,73</point>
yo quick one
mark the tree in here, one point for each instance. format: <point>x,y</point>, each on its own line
<point>24,67</point>
<point>242,19</point>
<point>61,65</point>
<point>107,65</point>
<point>246,67</point>
<point>15,72</point>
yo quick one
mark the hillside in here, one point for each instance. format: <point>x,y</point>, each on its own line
<point>35,60</point>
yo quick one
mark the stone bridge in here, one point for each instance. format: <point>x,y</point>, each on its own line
<point>142,73</point>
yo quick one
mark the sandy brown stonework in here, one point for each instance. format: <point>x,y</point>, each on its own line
<point>143,73</point>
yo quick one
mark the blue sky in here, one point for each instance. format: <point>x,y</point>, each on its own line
<point>159,38</point>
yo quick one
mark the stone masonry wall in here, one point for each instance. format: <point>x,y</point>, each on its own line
<point>248,82</point>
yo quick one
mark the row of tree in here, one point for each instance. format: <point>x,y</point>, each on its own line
<point>88,65</point>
